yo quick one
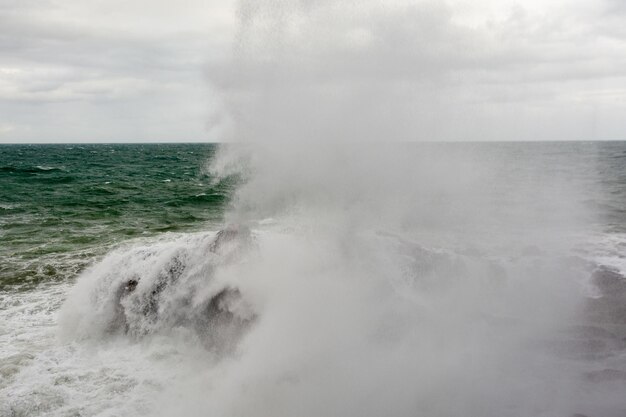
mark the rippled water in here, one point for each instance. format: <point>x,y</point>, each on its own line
<point>61,205</point>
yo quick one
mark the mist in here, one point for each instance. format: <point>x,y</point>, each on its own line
<point>390,278</point>
<point>403,280</point>
<point>413,71</point>
<point>358,274</point>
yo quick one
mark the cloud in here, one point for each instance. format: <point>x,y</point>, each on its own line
<point>147,58</point>
<point>4,129</point>
<point>399,69</point>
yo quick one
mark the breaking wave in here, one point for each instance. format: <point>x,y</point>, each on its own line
<point>329,308</point>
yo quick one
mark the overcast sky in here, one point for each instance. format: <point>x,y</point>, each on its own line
<point>154,70</point>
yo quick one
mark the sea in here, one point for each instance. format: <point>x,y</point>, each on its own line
<point>457,279</point>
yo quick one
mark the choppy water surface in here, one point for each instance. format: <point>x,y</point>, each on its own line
<point>61,205</point>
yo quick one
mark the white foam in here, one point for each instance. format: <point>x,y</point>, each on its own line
<point>379,323</point>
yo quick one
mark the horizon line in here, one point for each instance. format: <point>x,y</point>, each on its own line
<point>321,143</point>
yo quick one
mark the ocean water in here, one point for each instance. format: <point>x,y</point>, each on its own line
<point>62,205</point>
<point>417,279</point>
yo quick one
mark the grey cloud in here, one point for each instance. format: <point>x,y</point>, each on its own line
<point>80,47</point>
<point>331,69</point>
<point>57,59</point>
<point>615,6</point>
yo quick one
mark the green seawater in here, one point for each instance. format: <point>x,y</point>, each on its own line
<point>61,206</point>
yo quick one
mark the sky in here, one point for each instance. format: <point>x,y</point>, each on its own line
<point>212,71</point>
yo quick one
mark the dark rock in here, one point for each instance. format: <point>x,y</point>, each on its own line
<point>609,281</point>
<point>168,299</point>
<point>227,235</point>
<point>225,320</point>
<point>610,307</point>
<point>131,284</point>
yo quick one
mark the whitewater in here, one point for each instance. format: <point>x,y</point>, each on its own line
<point>342,290</point>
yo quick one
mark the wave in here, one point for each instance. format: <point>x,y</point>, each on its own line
<point>388,322</point>
<point>214,199</point>
<point>9,206</point>
<point>144,290</point>
<point>38,169</point>
<point>344,290</point>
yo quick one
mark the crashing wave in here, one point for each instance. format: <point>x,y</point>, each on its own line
<point>142,290</point>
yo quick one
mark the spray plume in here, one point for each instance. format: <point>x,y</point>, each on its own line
<point>372,277</point>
